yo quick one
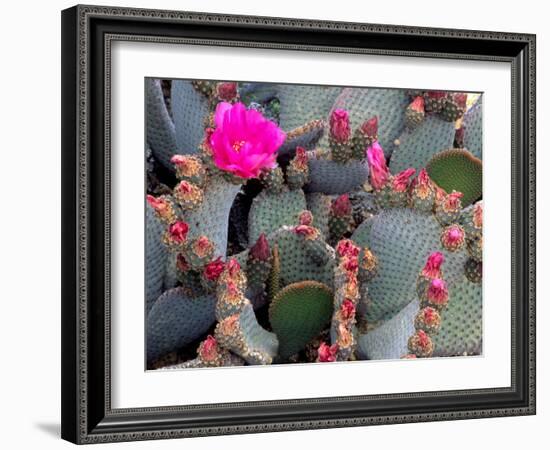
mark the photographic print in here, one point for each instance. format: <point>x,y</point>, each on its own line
<point>310,224</point>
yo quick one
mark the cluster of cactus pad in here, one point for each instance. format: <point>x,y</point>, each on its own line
<point>363,240</point>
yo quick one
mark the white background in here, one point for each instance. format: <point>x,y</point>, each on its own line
<point>132,387</point>
<point>30,234</point>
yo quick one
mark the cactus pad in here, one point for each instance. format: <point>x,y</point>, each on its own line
<point>458,170</point>
<point>298,313</point>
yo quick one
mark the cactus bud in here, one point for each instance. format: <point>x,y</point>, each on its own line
<point>346,247</point>
<point>432,269</point>
<point>369,128</point>
<point>260,250</point>
<point>368,266</point>
<point>448,208</point>
<point>214,269</point>
<point>177,234</point>
<point>189,168</point>
<point>188,195</point>
<point>341,206</point>
<point>163,208</point>
<point>297,172</point>
<point>340,131</point>
<point>421,344</point>
<point>364,136</point>
<point>208,349</point>
<point>305,218</point>
<point>227,91</point>
<point>379,172</point>
<point>437,294</point>
<point>309,232</point>
<point>453,237</point>
<point>428,319</point>
<point>327,353</point>
<point>347,309</point>
<point>414,114</point>
<point>259,262</point>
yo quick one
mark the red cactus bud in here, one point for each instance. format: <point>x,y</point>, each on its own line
<point>327,353</point>
<point>307,231</point>
<point>370,127</point>
<point>346,247</point>
<point>417,104</point>
<point>432,269</point>
<point>430,315</point>
<point>202,246</point>
<point>300,159</point>
<point>437,292</point>
<point>400,182</point>
<point>351,264</point>
<point>227,91</point>
<point>208,351</point>
<point>340,130</point>
<point>305,218</point>
<point>435,94</point>
<point>452,201</point>
<point>347,309</point>
<point>341,206</point>
<point>260,250</point>
<point>178,231</point>
<point>214,269</point>
<point>233,268</point>
<point>160,205</point>
<point>460,99</point>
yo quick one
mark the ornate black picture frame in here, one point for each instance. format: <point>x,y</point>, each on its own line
<point>87,35</point>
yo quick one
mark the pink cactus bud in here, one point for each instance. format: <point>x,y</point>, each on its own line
<point>432,269</point>
<point>327,353</point>
<point>188,166</point>
<point>178,231</point>
<point>453,237</point>
<point>233,291</point>
<point>202,246</point>
<point>160,205</point>
<point>182,263</point>
<point>227,91</point>
<point>346,247</point>
<point>214,269</point>
<point>208,351</point>
<point>340,130</point>
<point>379,172</point>
<point>417,104</point>
<point>307,231</point>
<point>341,206</point>
<point>260,250</point>
<point>347,309</point>
<point>400,182</point>
<point>351,288</point>
<point>423,339</point>
<point>478,215</point>
<point>437,292</point>
<point>300,159</point>
<point>305,218</point>
<point>451,202</point>
<point>233,268</point>
<point>429,315</point>
<point>351,264</point>
<point>370,127</point>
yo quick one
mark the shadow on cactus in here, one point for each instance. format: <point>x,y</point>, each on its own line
<point>310,224</point>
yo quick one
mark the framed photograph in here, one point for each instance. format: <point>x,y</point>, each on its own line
<point>282,224</point>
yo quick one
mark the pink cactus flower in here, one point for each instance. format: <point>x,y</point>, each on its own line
<point>437,292</point>
<point>209,349</point>
<point>370,127</point>
<point>347,309</point>
<point>340,130</point>
<point>400,182</point>
<point>327,353</point>
<point>379,172</point>
<point>227,91</point>
<point>346,247</point>
<point>341,206</point>
<point>417,104</point>
<point>260,250</point>
<point>432,269</point>
<point>178,231</point>
<point>214,269</point>
<point>244,142</point>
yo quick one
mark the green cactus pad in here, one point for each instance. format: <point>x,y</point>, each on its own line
<point>298,313</point>
<point>155,256</point>
<point>473,129</point>
<point>387,104</point>
<point>459,170</point>
<point>269,212</point>
<point>295,262</point>
<point>330,177</point>
<point>161,133</point>
<point>190,108</point>
<point>402,239</point>
<point>176,319</point>
<point>417,147</point>
<point>314,103</point>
